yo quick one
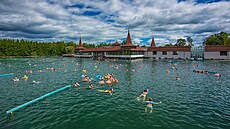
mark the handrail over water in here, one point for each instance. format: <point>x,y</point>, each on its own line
<point>37,99</point>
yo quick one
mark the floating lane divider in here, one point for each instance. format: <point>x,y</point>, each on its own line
<point>37,99</point>
<point>9,74</point>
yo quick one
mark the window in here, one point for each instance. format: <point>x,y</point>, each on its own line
<point>175,52</point>
<point>223,53</point>
<point>164,53</point>
<point>154,52</point>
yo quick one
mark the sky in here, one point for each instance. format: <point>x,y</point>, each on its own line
<point>104,21</point>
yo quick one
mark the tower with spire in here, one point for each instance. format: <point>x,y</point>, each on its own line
<point>153,42</point>
<point>128,44</point>
<point>80,47</point>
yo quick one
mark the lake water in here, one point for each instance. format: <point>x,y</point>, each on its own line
<point>195,101</point>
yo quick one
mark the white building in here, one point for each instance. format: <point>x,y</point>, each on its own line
<point>172,52</point>
<point>217,52</point>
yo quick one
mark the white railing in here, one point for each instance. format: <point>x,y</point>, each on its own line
<point>124,56</point>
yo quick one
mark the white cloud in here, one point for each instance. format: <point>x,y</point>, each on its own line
<point>63,20</point>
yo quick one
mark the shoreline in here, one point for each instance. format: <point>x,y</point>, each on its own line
<point>4,57</point>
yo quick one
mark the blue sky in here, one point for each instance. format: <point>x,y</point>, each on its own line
<point>98,21</point>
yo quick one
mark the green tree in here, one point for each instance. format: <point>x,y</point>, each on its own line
<point>180,42</point>
<point>168,45</point>
<point>190,40</point>
<point>33,54</point>
<point>123,42</point>
<point>69,49</point>
<point>221,38</point>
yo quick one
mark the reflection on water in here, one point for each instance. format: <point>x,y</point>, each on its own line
<point>195,101</point>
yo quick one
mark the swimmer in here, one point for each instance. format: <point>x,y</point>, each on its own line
<point>39,70</point>
<point>76,84</point>
<point>16,79</point>
<point>86,79</point>
<point>145,92</point>
<point>167,71</point>
<point>102,81</point>
<point>149,105</point>
<point>132,69</point>
<point>177,78</point>
<point>90,86</point>
<point>34,82</point>
<point>217,75</point>
<point>83,70</point>
<point>110,91</point>
<point>25,77</point>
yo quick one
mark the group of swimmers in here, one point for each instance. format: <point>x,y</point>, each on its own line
<point>200,71</point>
<point>110,91</point>
<point>206,72</point>
<point>25,77</point>
<point>110,79</point>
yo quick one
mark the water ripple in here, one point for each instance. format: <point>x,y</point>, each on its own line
<point>195,101</point>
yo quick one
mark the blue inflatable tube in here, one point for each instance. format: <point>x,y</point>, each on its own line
<point>37,99</point>
<point>9,74</point>
<point>99,76</point>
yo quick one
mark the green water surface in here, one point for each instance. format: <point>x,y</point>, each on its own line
<point>195,101</point>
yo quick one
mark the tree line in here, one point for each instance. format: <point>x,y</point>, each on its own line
<point>221,38</point>
<point>12,47</point>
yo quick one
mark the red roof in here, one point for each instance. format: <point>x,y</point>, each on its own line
<point>116,44</point>
<point>137,49</point>
<point>217,48</point>
<point>102,49</point>
<point>110,48</point>
<point>174,48</point>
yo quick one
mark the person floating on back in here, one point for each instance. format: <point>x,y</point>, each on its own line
<point>110,91</point>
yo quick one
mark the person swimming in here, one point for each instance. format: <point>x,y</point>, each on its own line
<point>86,78</point>
<point>84,70</point>
<point>34,82</point>
<point>145,92</point>
<point>149,105</point>
<point>25,77</point>
<point>110,91</point>
<point>167,71</point>
<point>217,75</point>
<point>102,81</point>
<point>90,86</point>
<point>177,78</point>
<point>16,79</point>
<point>76,84</point>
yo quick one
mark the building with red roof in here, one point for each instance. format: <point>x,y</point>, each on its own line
<point>131,51</point>
<point>126,51</point>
